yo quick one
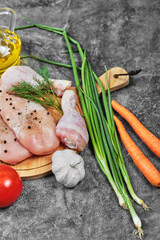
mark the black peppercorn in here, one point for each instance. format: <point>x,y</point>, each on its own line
<point>5,150</point>
<point>15,139</point>
<point>29,127</point>
<point>10,104</point>
<point>48,113</point>
<point>7,119</point>
<point>5,141</point>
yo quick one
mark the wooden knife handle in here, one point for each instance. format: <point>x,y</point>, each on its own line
<point>114,83</point>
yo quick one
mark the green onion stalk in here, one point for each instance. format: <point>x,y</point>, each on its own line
<point>48,61</point>
<point>116,145</point>
<point>102,134</point>
<point>100,124</point>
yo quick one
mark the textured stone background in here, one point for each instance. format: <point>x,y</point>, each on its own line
<point>115,33</point>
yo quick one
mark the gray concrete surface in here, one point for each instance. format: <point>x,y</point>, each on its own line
<point>115,33</point>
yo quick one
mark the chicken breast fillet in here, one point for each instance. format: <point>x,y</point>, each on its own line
<point>32,124</point>
<point>11,150</point>
<point>16,74</point>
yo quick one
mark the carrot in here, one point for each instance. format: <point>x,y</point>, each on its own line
<point>140,160</point>
<point>147,137</point>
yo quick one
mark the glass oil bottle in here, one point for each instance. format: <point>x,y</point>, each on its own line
<point>10,43</point>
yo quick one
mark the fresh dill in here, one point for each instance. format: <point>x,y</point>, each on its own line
<point>41,92</point>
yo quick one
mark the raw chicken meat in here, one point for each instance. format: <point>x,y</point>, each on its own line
<point>16,74</point>
<point>32,124</point>
<point>59,86</point>
<point>71,129</point>
<point>11,151</point>
<point>68,100</point>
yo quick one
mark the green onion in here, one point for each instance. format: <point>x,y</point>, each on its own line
<point>48,61</point>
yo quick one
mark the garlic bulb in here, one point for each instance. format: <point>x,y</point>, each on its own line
<point>68,167</point>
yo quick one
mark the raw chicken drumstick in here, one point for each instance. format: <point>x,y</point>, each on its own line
<point>71,129</point>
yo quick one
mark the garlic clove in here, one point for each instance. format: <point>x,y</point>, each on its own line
<point>82,171</point>
<point>73,178</point>
<point>75,161</point>
<point>61,177</point>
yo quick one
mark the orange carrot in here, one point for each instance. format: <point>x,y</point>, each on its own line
<point>140,160</point>
<point>147,137</point>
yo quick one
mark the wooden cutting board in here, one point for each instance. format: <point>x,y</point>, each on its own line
<point>40,166</point>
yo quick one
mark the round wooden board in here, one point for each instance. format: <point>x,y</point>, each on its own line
<point>40,166</point>
<point>36,166</point>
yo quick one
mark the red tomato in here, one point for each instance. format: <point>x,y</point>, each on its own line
<point>10,186</point>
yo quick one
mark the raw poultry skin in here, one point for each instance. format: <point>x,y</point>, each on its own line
<point>11,151</point>
<point>71,129</point>
<point>32,124</point>
<point>16,74</point>
<point>68,100</point>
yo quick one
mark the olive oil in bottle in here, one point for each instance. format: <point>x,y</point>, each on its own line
<point>10,43</point>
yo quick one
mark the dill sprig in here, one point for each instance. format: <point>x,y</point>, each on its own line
<point>41,92</point>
